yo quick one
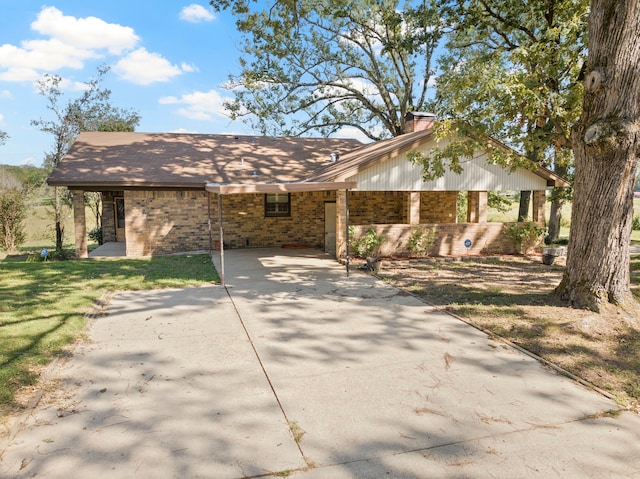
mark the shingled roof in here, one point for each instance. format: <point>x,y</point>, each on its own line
<point>228,163</point>
<point>108,160</point>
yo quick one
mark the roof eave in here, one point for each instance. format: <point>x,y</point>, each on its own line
<point>109,185</point>
<point>239,188</point>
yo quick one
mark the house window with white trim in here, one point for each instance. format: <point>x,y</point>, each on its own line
<point>277,204</point>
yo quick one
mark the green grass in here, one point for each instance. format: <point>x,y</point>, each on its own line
<point>43,305</point>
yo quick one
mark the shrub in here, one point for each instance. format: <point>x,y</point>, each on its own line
<point>13,211</point>
<point>96,235</point>
<point>421,240</point>
<point>365,245</point>
<point>636,223</point>
<point>524,236</point>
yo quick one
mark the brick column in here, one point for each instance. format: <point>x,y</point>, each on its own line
<point>108,217</point>
<point>413,208</point>
<point>477,202</point>
<point>80,224</point>
<point>341,223</point>
<point>539,199</point>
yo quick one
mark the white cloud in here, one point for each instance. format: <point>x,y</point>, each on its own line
<point>1,118</point>
<point>351,132</point>
<point>195,13</point>
<point>198,105</point>
<point>182,130</point>
<point>87,33</point>
<point>143,68</point>
<point>68,43</point>
<point>189,68</point>
<point>6,94</point>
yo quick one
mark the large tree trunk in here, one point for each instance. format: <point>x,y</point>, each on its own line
<point>555,216</point>
<point>606,143</point>
<point>525,203</point>
<point>58,219</point>
<point>558,199</point>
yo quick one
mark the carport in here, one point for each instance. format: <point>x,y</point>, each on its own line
<point>342,208</point>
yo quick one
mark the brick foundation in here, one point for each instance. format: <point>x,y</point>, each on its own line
<point>486,238</point>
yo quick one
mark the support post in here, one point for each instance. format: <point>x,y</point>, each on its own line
<point>221,239</point>
<point>477,203</point>
<point>209,223</point>
<point>80,224</point>
<point>539,199</point>
<point>413,208</point>
<point>346,204</point>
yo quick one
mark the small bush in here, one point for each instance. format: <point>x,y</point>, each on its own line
<point>13,211</point>
<point>421,240</point>
<point>365,245</point>
<point>636,223</point>
<point>96,235</point>
<point>524,236</point>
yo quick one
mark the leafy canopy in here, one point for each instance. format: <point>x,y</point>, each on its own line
<point>511,70</point>
<point>91,111</point>
<point>310,65</point>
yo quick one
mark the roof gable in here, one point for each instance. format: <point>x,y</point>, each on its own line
<point>385,166</point>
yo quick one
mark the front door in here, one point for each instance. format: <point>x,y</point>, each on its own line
<point>118,209</point>
<point>330,228</point>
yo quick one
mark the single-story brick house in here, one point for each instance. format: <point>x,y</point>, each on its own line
<point>170,192</point>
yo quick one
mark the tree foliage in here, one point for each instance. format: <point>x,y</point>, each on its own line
<point>91,111</point>
<point>510,71</point>
<point>13,211</point>
<point>29,176</point>
<point>310,65</point>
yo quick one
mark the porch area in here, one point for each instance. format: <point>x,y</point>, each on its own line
<point>110,249</point>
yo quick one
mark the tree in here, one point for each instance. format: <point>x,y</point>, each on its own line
<point>92,111</point>
<point>3,137</point>
<point>511,72</point>
<point>30,177</point>
<point>606,145</point>
<point>320,66</point>
<point>13,211</point>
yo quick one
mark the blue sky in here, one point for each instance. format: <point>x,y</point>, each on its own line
<point>168,61</point>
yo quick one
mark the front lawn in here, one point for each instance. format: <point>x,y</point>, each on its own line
<point>43,306</point>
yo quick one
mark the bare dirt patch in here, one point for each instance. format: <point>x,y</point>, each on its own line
<point>512,297</point>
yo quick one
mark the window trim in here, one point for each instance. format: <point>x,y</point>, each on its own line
<point>277,214</point>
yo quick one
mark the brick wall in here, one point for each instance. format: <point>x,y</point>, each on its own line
<point>108,216</point>
<point>438,206</point>
<point>160,222</point>
<point>486,238</point>
<point>366,207</point>
<point>245,224</point>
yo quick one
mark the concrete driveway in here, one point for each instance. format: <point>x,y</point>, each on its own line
<point>296,370</point>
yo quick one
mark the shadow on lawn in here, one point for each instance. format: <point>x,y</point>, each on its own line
<point>43,305</point>
<point>516,301</point>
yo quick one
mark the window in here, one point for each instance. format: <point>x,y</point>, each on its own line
<point>277,204</point>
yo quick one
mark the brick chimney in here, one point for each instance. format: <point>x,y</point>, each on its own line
<point>418,121</point>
